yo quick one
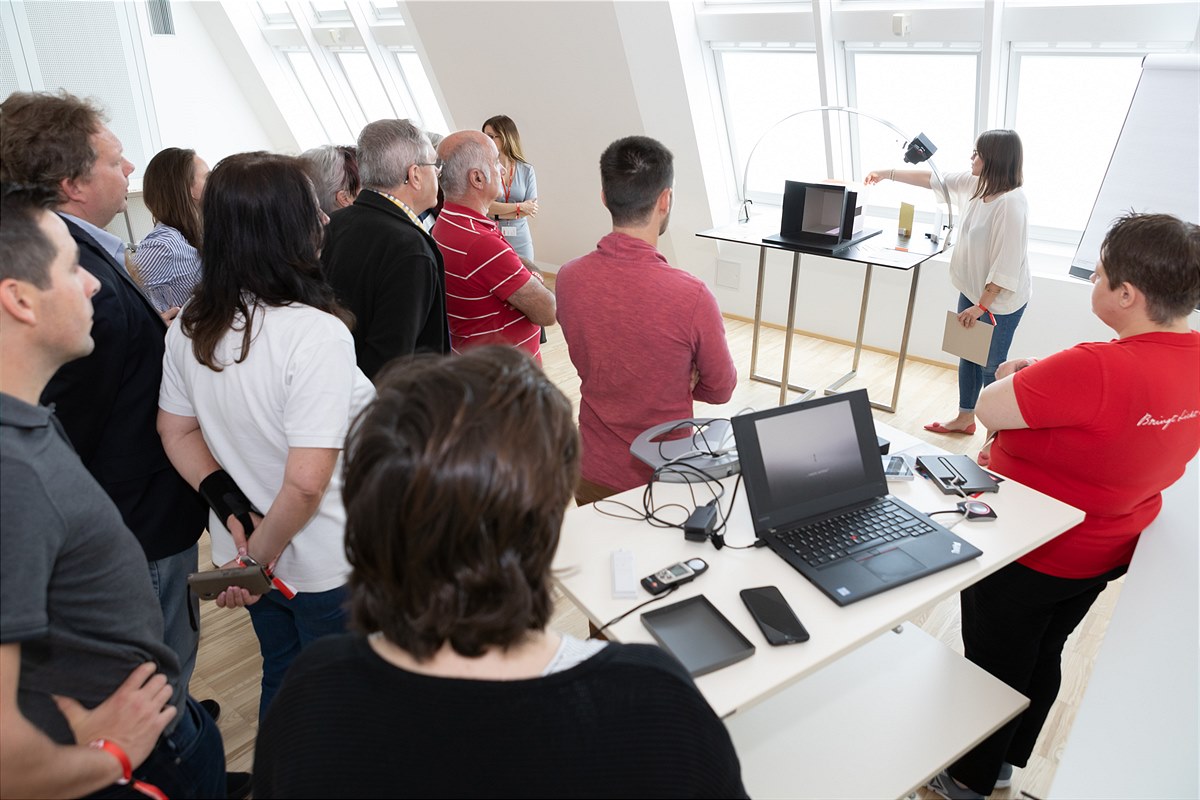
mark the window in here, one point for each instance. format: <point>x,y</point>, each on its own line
<point>365,84</point>
<point>759,88</point>
<point>324,106</point>
<point>885,84</point>
<point>350,66</point>
<point>1068,111</point>
<point>428,111</point>
<point>275,12</point>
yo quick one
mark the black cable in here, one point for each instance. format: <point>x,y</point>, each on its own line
<point>654,599</point>
<point>651,513</point>
<point>700,430</point>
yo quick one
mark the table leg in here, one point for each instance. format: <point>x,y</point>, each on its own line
<point>858,341</point>
<point>908,316</point>
<point>758,301</point>
<point>791,329</point>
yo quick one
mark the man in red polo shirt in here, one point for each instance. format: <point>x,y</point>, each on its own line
<point>491,296</point>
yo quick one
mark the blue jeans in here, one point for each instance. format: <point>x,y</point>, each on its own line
<point>189,762</point>
<point>972,377</point>
<point>168,576</point>
<point>285,627</point>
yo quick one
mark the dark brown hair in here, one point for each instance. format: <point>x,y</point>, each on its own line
<point>1003,160</point>
<point>456,480</point>
<point>1160,255</point>
<point>25,250</point>
<point>634,171</point>
<point>167,192</point>
<point>45,138</point>
<point>263,232</point>
<point>510,138</point>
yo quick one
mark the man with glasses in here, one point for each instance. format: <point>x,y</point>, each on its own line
<point>382,264</point>
<point>492,296</point>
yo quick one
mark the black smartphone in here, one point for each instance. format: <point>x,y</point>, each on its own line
<point>774,616</point>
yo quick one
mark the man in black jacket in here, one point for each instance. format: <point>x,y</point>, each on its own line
<point>382,264</point>
<point>108,401</point>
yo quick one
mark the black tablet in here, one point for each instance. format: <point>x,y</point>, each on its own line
<point>697,634</point>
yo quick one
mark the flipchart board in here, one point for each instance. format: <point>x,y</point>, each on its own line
<point>1155,166</point>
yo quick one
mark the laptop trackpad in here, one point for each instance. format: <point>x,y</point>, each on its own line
<point>891,565</point>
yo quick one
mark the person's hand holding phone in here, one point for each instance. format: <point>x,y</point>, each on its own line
<point>236,596</point>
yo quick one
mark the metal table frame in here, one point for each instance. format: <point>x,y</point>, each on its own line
<point>919,251</point>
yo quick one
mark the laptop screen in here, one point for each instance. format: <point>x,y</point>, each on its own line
<point>806,459</point>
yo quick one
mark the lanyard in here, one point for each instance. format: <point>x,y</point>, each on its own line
<point>512,179</point>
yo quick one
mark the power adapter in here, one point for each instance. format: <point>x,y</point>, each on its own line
<point>700,524</point>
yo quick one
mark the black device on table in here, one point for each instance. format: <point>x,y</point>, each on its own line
<point>674,575</point>
<point>819,498</point>
<point>820,216</point>
<point>774,616</point>
<point>956,474</point>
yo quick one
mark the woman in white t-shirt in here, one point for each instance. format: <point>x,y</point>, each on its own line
<point>260,380</point>
<point>989,264</point>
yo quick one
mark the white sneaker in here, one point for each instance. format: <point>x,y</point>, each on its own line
<point>1005,779</point>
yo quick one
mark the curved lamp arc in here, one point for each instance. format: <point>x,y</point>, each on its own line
<point>744,213</point>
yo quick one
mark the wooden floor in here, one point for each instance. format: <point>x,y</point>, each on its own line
<point>228,667</point>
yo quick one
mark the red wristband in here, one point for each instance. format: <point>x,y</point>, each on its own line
<point>982,307</point>
<point>116,751</point>
<point>518,210</point>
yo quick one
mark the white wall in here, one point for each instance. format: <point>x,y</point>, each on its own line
<point>199,101</point>
<point>588,73</point>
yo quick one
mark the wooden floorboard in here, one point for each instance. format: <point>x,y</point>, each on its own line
<point>229,665</point>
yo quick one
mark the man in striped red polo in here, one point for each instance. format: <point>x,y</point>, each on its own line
<point>491,297</point>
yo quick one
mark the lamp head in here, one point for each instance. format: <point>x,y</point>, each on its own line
<point>919,149</point>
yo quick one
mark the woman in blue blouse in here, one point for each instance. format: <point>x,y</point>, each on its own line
<point>168,259</point>
<point>516,201</point>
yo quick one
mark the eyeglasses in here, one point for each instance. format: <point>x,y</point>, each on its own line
<point>437,166</point>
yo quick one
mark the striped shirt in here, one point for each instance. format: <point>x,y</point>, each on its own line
<point>482,272</point>
<point>169,266</point>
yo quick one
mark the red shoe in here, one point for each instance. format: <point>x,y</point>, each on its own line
<point>937,427</point>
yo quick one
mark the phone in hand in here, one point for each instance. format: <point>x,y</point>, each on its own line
<point>774,616</point>
<point>211,583</point>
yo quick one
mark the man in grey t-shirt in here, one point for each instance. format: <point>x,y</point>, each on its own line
<point>89,693</point>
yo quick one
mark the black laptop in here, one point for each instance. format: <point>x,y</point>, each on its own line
<point>818,496</point>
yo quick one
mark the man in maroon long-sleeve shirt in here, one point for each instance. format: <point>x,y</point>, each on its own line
<point>645,337</point>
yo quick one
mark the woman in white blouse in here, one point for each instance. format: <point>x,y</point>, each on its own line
<point>989,264</point>
<point>260,380</point>
<point>168,259</point>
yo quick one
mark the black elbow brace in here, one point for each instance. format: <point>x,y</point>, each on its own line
<point>225,497</point>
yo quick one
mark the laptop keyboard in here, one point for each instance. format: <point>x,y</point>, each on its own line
<point>838,537</point>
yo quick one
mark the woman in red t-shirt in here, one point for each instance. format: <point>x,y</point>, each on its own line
<point>1102,426</point>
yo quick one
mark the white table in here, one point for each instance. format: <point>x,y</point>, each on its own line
<point>1026,520</point>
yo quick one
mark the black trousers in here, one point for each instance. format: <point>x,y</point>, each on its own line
<point>1014,625</point>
